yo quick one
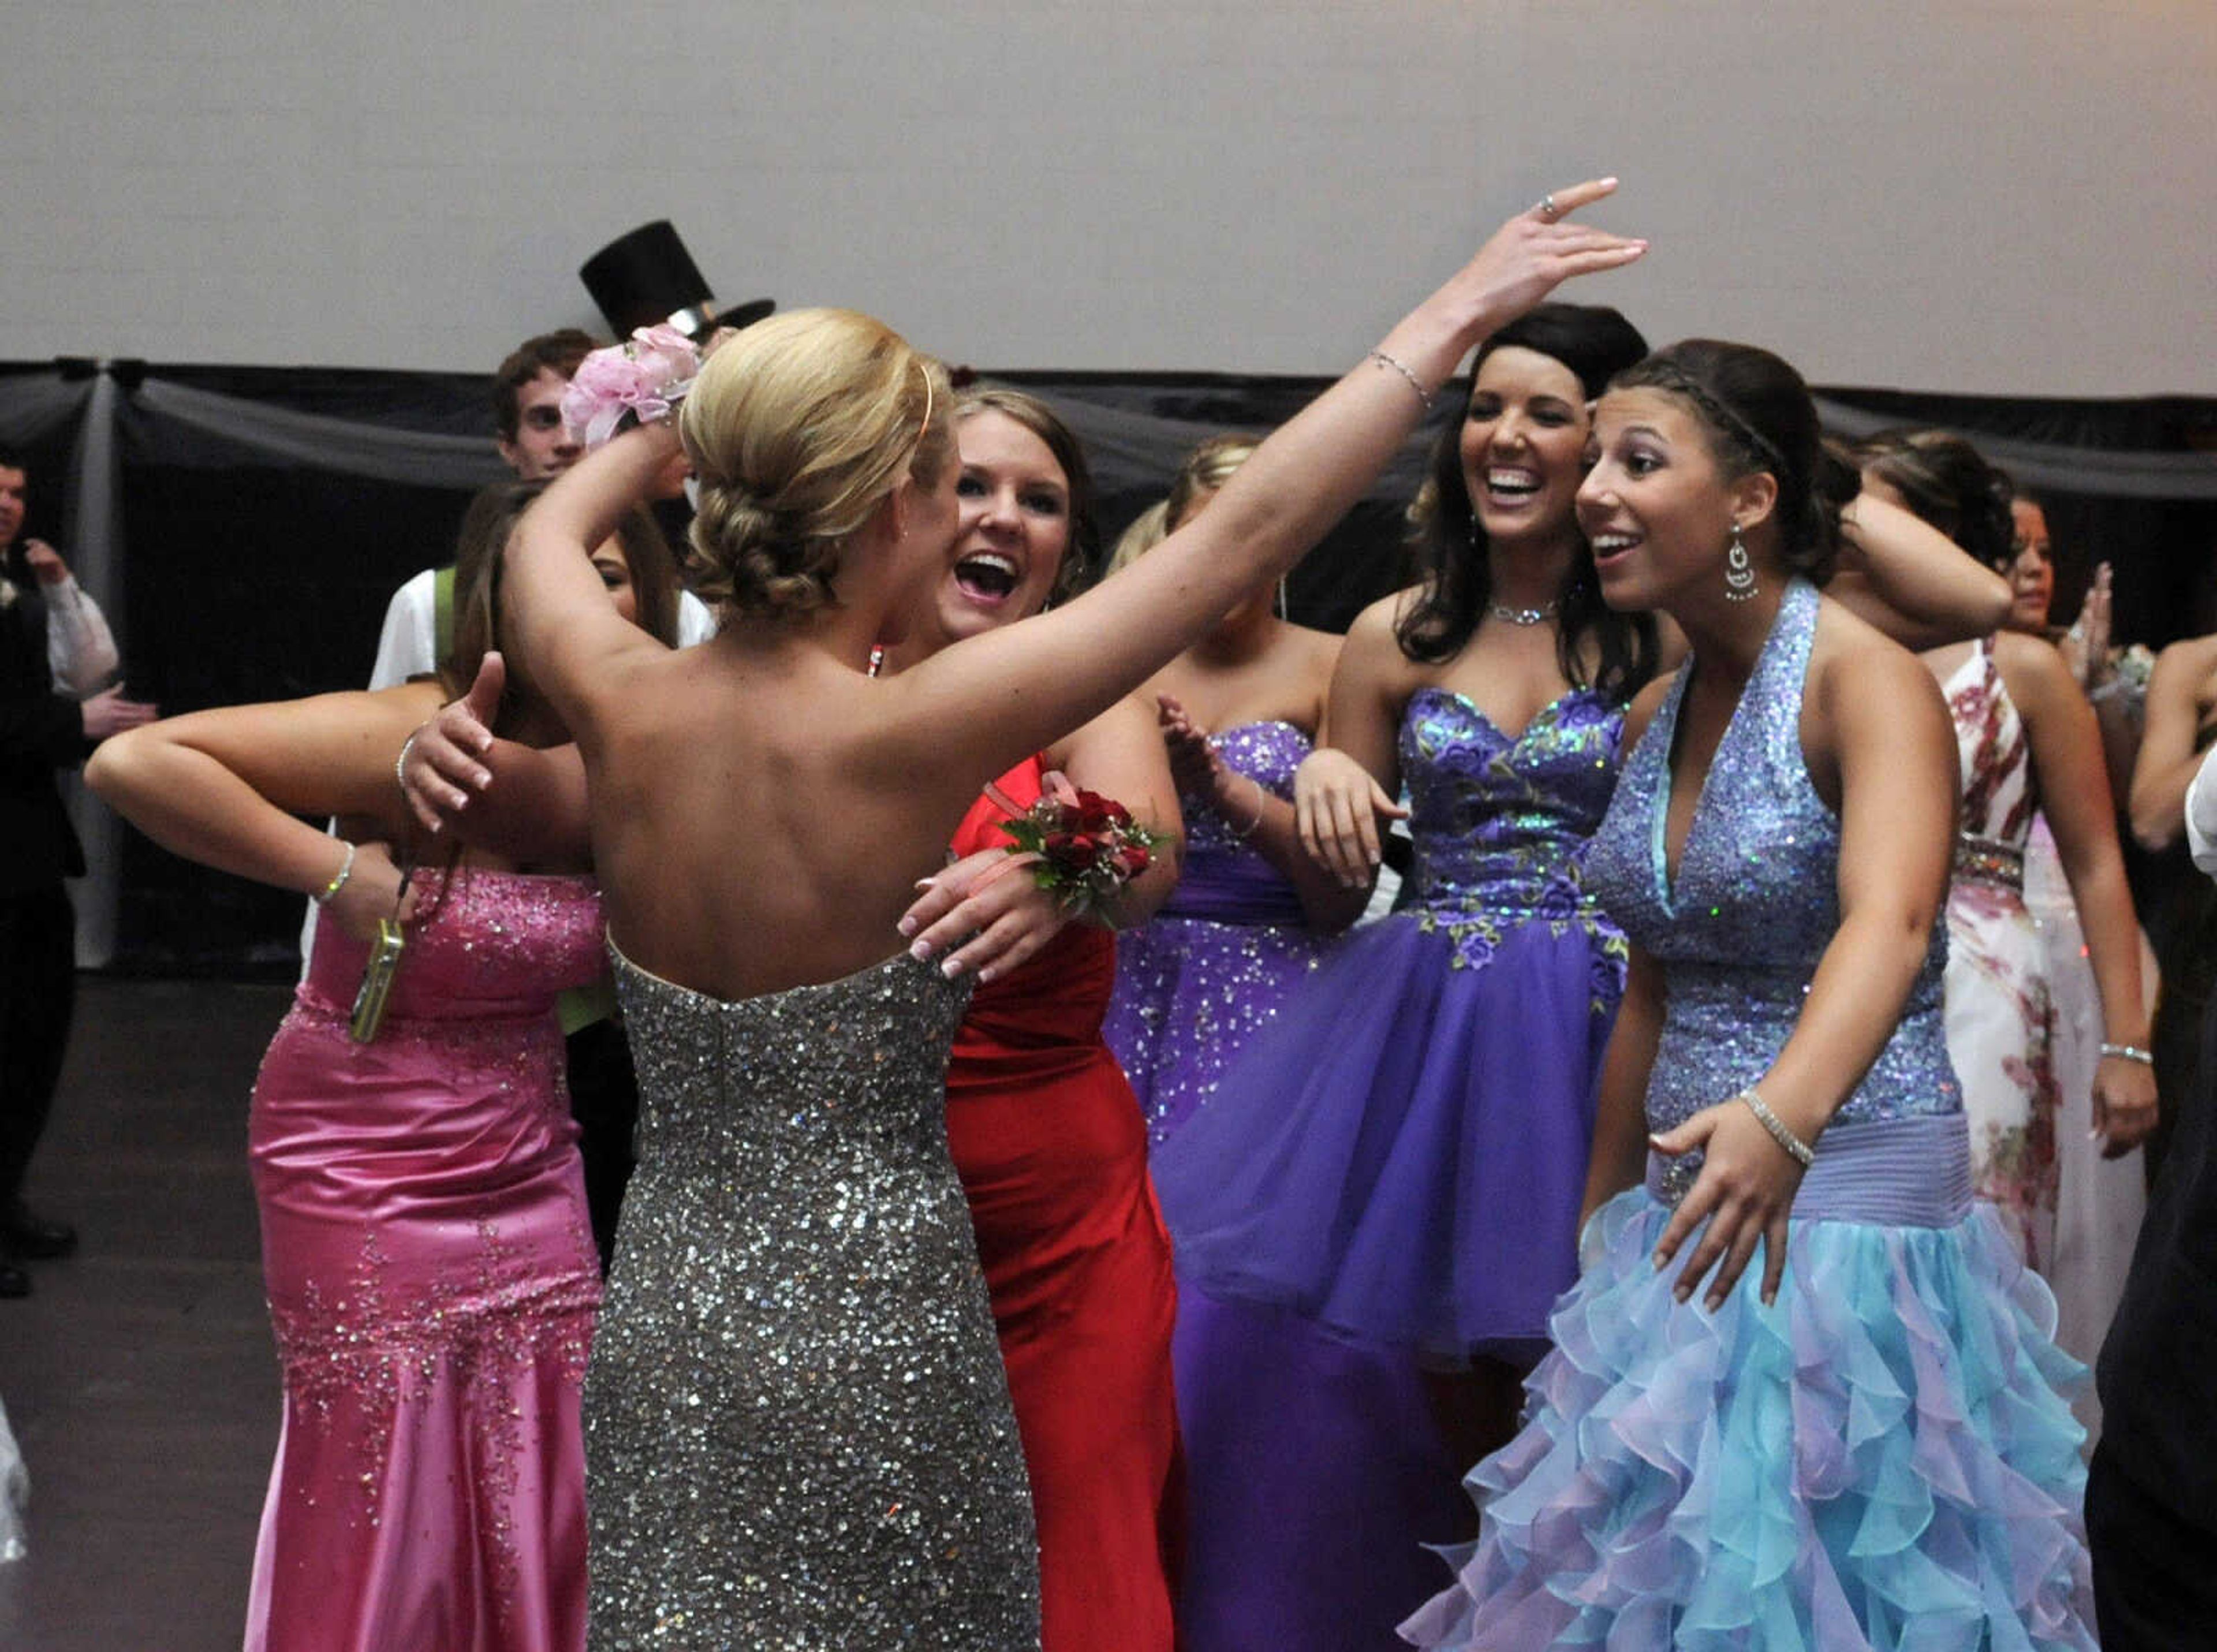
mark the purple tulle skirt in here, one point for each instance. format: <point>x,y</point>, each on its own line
<point>1881,1460</point>
<point>1401,1156</point>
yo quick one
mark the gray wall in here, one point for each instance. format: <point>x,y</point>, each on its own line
<point>1985,195</point>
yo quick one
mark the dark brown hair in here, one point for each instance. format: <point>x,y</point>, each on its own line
<point>1593,341</point>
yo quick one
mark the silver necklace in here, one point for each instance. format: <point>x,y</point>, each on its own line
<point>1524,615</point>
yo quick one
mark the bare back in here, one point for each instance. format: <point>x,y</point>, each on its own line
<point>740,793</point>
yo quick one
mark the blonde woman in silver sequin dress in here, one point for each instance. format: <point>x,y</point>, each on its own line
<point>798,1433</point>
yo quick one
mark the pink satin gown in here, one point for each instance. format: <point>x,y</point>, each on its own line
<point>433,1285</point>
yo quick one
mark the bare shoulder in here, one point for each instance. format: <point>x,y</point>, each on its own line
<point>1860,676</point>
<point>1375,626</point>
<point>2182,666</point>
<point>2032,667</point>
<point>1317,650</point>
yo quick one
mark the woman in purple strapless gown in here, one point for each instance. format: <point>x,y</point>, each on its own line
<point>1298,1443</point>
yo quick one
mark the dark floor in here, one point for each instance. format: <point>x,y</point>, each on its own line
<point>139,1376</point>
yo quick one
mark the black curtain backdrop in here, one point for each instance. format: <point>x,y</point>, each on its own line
<point>245,527</point>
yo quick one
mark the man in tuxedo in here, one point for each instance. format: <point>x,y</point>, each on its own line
<point>42,730</point>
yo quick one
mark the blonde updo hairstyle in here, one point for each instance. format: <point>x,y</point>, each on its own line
<point>799,429</point>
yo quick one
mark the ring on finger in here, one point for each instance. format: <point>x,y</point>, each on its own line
<point>1546,210</point>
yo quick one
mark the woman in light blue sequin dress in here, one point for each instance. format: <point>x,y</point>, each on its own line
<point>1860,1443</point>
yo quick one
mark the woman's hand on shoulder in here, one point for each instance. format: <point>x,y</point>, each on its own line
<point>441,765</point>
<point>993,902</point>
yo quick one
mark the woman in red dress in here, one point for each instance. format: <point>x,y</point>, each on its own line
<point>1046,1131</point>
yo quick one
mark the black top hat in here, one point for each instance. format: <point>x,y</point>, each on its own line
<point>647,277</point>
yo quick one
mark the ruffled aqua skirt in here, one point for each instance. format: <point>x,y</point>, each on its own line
<point>1885,1458</point>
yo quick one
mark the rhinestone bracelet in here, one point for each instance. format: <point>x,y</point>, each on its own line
<point>2130,1053</point>
<point>325,896</point>
<point>1803,1154</point>
<point>1423,396</point>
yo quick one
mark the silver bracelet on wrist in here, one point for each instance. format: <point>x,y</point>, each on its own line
<point>2130,1053</point>
<point>329,891</point>
<point>1423,396</point>
<point>1802,1154</point>
<point>1261,803</point>
<point>400,763</point>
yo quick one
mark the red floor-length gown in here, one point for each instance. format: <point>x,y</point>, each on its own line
<point>1053,1153</point>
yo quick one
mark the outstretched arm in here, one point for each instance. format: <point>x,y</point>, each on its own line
<point>1036,680</point>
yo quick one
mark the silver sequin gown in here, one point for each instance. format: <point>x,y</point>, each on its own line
<point>798,1429</point>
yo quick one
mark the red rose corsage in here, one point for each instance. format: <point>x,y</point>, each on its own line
<point>1080,845</point>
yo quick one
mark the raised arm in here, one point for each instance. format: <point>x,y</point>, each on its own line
<point>1052,673</point>
<point>1911,580</point>
<point>1266,822</point>
<point>555,605</point>
<point>80,649</point>
<point>1896,752</point>
<point>225,788</point>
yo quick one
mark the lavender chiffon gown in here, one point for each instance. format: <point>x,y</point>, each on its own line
<point>1401,1155</point>
<point>1317,1469</point>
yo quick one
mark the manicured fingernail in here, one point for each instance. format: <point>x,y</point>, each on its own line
<point>906,926</point>
<point>951,968</point>
<point>921,951</point>
<point>927,883</point>
<point>986,974</point>
<point>483,779</point>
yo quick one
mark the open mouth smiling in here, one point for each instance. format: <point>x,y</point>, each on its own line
<point>988,577</point>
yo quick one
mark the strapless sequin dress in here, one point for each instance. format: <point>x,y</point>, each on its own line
<point>1211,967</point>
<point>1400,1156</point>
<point>1880,1459</point>
<point>432,1281</point>
<point>798,1429</point>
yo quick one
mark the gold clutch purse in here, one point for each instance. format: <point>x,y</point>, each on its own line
<point>377,975</point>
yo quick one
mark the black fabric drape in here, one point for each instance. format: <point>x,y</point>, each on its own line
<point>244,526</point>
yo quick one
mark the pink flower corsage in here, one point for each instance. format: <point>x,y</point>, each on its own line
<point>644,378</point>
<point>1083,846</point>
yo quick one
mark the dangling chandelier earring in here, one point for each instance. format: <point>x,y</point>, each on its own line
<point>1739,572</point>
